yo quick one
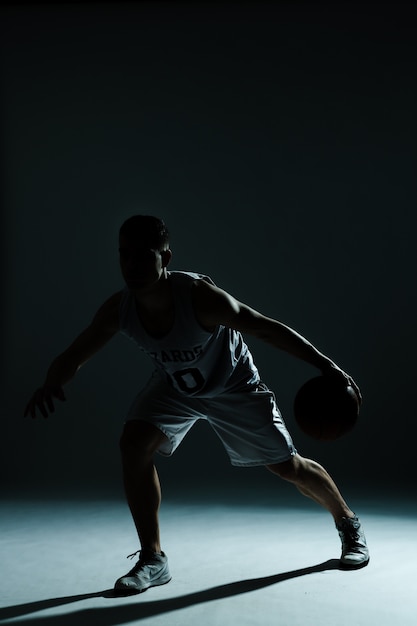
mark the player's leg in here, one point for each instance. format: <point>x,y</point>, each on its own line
<point>157,421</point>
<point>138,443</point>
<point>313,481</point>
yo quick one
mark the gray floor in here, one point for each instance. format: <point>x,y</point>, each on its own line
<point>231,564</point>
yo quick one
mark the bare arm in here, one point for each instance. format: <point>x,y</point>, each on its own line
<point>213,306</point>
<point>63,368</point>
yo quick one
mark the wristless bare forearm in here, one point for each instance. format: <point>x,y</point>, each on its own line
<point>60,372</point>
<point>290,341</point>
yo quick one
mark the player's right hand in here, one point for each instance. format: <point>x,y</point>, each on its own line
<point>42,401</point>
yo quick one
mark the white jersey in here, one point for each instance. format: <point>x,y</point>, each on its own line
<point>194,361</point>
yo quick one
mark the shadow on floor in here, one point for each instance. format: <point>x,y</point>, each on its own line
<point>114,615</point>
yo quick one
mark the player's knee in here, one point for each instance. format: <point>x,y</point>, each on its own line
<point>288,470</point>
<point>140,438</point>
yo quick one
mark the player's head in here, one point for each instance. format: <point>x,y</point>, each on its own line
<point>144,251</point>
<point>146,230</point>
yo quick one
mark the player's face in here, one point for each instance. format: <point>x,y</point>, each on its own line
<point>141,265</point>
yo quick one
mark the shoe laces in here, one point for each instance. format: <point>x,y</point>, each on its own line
<point>144,555</point>
<point>350,533</point>
<point>130,556</point>
<point>139,563</point>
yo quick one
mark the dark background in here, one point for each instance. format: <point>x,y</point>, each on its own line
<point>278,141</point>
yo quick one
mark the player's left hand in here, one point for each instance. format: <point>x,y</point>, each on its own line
<point>335,371</point>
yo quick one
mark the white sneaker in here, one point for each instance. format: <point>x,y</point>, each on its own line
<point>151,570</point>
<point>355,552</point>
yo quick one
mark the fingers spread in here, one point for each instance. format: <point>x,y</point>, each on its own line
<point>42,401</point>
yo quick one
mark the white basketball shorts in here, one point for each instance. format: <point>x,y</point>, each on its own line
<point>249,424</point>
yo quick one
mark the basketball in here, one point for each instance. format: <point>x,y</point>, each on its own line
<point>325,408</point>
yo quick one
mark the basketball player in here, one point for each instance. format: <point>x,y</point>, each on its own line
<point>203,369</point>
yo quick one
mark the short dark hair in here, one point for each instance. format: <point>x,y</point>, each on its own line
<point>147,227</point>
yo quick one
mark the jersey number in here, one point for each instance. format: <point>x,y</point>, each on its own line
<point>189,380</point>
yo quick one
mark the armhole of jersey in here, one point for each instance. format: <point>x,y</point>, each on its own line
<point>208,280</point>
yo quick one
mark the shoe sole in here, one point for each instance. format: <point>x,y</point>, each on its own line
<point>134,592</point>
<point>351,566</point>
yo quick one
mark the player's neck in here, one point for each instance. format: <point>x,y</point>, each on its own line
<point>155,297</point>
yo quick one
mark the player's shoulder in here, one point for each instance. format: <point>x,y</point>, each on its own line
<point>108,313</point>
<point>189,277</point>
<point>207,294</point>
<point>187,282</point>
